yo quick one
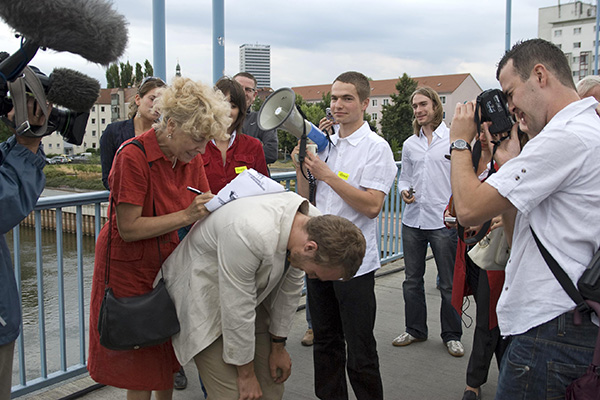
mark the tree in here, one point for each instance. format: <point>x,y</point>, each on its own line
<point>5,132</point>
<point>287,142</point>
<point>396,120</point>
<point>257,103</point>
<point>126,75</point>
<point>148,70</point>
<point>113,79</point>
<point>139,74</point>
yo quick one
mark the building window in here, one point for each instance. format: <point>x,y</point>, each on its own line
<point>93,108</point>
<point>576,31</point>
<point>444,115</point>
<point>103,120</point>
<point>85,144</point>
<point>575,60</point>
<point>558,33</point>
<point>93,145</point>
<point>93,133</point>
<point>374,116</point>
<point>58,145</point>
<point>102,108</point>
<point>386,102</point>
<point>49,145</point>
<point>576,45</point>
<point>559,46</point>
<point>443,99</point>
<point>374,102</point>
<point>93,120</point>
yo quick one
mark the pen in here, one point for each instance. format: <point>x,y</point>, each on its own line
<point>191,189</point>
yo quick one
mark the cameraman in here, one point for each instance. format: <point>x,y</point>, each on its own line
<point>549,187</point>
<point>21,183</point>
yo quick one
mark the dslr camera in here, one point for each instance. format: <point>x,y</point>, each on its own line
<point>492,106</point>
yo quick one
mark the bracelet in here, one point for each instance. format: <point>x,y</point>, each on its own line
<point>278,340</point>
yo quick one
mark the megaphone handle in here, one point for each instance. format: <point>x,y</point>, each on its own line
<point>302,150</point>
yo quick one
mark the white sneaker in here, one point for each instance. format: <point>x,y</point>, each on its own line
<point>455,348</point>
<point>405,339</point>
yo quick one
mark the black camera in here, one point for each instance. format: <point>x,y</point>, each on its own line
<point>70,124</point>
<point>493,107</point>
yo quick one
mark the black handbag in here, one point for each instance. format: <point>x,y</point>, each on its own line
<point>130,323</point>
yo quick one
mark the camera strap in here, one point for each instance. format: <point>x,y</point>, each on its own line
<point>18,91</point>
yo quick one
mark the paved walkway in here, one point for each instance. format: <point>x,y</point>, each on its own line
<point>420,371</point>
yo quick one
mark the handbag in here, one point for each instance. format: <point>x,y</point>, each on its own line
<point>586,387</point>
<point>131,323</point>
<point>492,252</point>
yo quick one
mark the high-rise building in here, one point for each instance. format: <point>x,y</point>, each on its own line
<point>572,27</point>
<point>256,59</point>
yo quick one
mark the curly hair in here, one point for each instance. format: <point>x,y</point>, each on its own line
<point>230,87</point>
<point>196,108</point>
<point>340,244</point>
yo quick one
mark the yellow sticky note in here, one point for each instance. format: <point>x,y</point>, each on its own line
<point>239,170</point>
<point>343,175</point>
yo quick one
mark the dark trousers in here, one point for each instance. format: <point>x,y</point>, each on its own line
<point>343,314</point>
<point>443,245</point>
<point>486,341</point>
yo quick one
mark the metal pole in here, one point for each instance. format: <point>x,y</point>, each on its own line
<point>508,14</point>
<point>158,37</point>
<point>597,35</point>
<point>218,39</point>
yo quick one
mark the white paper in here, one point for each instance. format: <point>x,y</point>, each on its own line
<point>248,183</point>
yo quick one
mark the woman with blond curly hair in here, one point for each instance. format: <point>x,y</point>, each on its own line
<point>149,203</point>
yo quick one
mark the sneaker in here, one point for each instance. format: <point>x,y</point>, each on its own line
<point>471,395</point>
<point>405,339</point>
<point>455,348</point>
<point>308,338</point>
<point>180,380</point>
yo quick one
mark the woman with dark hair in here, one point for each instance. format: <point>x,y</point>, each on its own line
<point>224,159</point>
<point>141,118</point>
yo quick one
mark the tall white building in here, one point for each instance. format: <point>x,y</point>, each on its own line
<point>256,59</point>
<point>572,27</point>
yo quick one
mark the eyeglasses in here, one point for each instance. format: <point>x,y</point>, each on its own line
<point>151,79</point>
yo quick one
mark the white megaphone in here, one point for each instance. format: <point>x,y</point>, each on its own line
<point>279,111</point>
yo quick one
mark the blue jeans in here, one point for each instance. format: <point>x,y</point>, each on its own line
<point>443,244</point>
<point>542,362</point>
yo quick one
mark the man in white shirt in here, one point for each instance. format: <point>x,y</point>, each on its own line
<point>354,174</point>
<point>425,188</point>
<point>552,186</point>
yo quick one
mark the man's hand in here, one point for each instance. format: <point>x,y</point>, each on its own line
<point>509,148</point>
<point>318,168</point>
<point>280,363</point>
<point>463,124</point>
<point>325,124</point>
<point>247,383</point>
<point>407,197</point>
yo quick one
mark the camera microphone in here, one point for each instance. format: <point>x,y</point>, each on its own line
<point>72,89</point>
<point>90,28</point>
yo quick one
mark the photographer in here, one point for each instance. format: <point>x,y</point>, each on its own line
<point>21,183</point>
<point>546,187</point>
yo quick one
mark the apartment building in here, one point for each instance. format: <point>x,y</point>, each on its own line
<point>256,59</point>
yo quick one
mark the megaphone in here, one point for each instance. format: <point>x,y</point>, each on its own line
<point>279,111</point>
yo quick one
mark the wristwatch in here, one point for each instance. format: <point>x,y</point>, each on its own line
<point>460,144</point>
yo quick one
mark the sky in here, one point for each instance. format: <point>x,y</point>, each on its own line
<point>313,41</point>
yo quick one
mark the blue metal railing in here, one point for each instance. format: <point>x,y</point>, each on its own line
<point>70,331</point>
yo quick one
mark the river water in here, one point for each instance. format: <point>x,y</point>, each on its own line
<point>50,277</point>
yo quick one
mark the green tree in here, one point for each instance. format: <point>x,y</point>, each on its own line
<point>139,74</point>
<point>113,79</point>
<point>372,123</point>
<point>257,103</point>
<point>313,112</point>
<point>148,70</point>
<point>126,75</point>
<point>287,142</point>
<point>396,120</point>
<point>5,132</point>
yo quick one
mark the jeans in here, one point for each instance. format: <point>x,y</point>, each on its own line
<point>443,244</point>
<point>343,314</point>
<point>542,362</point>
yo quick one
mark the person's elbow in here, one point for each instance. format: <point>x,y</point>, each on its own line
<point>372,211</point>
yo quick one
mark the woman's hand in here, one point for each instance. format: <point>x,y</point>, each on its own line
<point>497,222</point>
<point>197,209</point>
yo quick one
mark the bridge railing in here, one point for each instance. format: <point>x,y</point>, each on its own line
<point>54,280</point>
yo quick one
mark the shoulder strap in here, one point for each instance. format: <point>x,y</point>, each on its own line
<point>561,276</point>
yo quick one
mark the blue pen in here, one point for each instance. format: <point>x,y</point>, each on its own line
<point>191,189</point>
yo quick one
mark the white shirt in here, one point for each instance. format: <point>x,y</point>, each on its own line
<point>365,161</point>
<point>427,170</point>
<point>555,185</point>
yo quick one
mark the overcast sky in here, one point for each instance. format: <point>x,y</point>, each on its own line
<point>312,41</point>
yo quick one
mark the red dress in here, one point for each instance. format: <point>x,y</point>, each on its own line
<point>134,265</point>
<point>244,153</point>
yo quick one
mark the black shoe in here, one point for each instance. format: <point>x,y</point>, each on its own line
<point>471,395</point>
<point>180,380</point>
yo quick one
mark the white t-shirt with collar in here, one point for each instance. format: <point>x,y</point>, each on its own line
<point>555,185</point>
<point>365,161</point>
<point>427,170</point>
